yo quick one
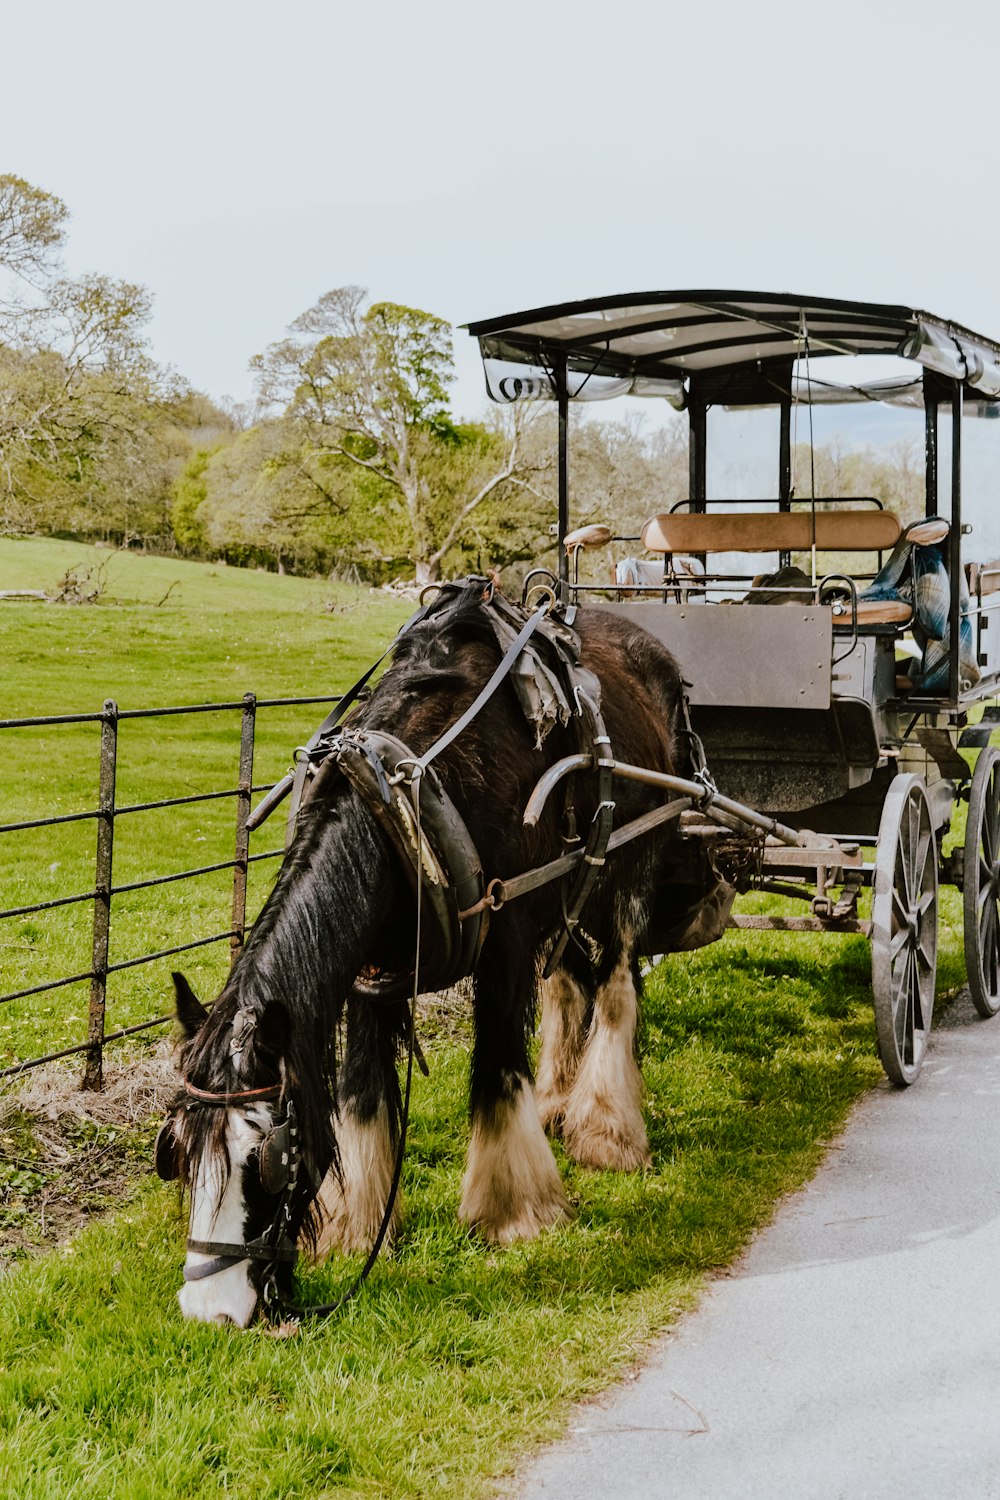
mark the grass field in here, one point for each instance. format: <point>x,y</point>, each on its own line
<point>456,1358</point>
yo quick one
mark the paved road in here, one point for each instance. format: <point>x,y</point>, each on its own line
<point>854,1352</point>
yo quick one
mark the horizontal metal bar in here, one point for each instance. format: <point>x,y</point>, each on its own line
<point>175,801</point>
<point>135,885</point>
<point>51,984</point>
<point>267,854</point>
<point>212,708</point>
<point>48,822</point>
<point>47,720</point>
<point>145,885</point>
<point>799,924</point>
<point>44,721</point>
<point>36,1062</point>
<point>330,698</point>
<point>114,1036</point>
<point>149,958</point>
<point>27,911</point>
<point>119,811</point>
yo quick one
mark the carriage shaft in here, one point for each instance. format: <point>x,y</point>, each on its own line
<point>708,801</point>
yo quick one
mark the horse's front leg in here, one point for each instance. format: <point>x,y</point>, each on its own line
<point>565,1013</point>
<point>602,1123</point>
<point>512,1188</point>
<point>352,1200</point>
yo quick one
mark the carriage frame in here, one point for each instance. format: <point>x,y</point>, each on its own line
<point>825,773</point>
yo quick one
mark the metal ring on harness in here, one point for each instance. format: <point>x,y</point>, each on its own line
<point>540,593</point>
<point>380,768</point>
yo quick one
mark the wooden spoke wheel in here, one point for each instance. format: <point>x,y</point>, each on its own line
<point>904,928</point>
<point>981,884</point>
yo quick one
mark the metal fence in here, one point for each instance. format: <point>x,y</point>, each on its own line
<point>102,895</point>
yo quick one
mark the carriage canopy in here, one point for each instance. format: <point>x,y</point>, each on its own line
<point>652,343</point>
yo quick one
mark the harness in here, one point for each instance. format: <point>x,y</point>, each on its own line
<point>542,656</point>
<point>444,867</point>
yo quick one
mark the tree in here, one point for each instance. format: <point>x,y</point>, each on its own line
<point>85,415</point>
<point>31,228</point>
<point>369,386</point>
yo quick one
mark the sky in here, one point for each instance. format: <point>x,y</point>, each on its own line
<point>475,159</point>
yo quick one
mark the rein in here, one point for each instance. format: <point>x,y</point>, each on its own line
<point>277,1307</point>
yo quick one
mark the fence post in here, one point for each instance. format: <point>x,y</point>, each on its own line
<point>93,1077</point>
<point>242,832</point>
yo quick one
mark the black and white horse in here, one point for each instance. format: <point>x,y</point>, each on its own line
<point>343,907</point>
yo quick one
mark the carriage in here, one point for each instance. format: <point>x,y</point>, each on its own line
<point>832,720</point>
<point>818,752</point>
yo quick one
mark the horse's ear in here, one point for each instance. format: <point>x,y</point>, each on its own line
<point>274,1030</point>
<point>190,1011</point>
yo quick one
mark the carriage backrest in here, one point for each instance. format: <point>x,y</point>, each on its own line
<point>846,530</point>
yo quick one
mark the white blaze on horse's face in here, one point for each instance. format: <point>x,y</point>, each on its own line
<point>219,1213</point>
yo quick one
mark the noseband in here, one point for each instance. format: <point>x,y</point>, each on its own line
<point>279,1169</point>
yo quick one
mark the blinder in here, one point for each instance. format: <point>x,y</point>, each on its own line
<point>273,1165</point>
<point>166,1154</point>
<point>275,1155</point>
<point>275,1160</point>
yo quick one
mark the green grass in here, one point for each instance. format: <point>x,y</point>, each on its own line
<point>456,1358</point>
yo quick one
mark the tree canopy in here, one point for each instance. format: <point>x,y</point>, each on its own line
<point>91,429</point>
<point>366,386</point>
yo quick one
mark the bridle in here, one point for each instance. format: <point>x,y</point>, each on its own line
<point>279,1159</point>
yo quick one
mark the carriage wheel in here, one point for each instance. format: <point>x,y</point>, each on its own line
<point>981,884</point>
<point>904,929</point>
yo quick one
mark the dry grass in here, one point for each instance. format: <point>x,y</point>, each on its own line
<point>67,1156</point>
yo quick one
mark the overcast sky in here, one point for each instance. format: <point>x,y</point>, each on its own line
<point>474,159</point>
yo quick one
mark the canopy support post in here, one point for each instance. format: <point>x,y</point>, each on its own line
<point>562,398</point>
<point>955,542</point>
<point>785,466</point>
<point>930,449</point>
<point>697,412</point>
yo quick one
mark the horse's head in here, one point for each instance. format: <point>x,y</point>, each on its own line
<point>233,1141</point>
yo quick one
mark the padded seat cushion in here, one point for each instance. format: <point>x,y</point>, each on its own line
<point>774,531</point>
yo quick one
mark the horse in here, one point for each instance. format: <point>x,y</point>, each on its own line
<point>294,1042</point>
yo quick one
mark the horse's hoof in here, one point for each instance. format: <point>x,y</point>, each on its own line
<point>607,1151</point>
<point>527,1225</point>
<point>551,1113</point>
